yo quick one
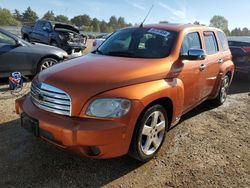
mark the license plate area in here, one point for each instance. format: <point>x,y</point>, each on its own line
<point>30,124</point>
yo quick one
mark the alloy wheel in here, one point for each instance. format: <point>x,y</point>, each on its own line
<point>153,132</point>
<point>48,63</point>
<point>224,89</point>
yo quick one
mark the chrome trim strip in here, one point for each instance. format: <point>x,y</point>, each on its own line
<point>53,99</point>
<point>54,106</point>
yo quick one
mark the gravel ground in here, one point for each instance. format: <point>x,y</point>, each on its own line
<point>208,148</point>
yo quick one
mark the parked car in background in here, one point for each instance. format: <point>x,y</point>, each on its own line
<point>99,40</point>
<point>27,58</point>
<point>241,57</point>
<point>56,34</point>
<point>123,97</point>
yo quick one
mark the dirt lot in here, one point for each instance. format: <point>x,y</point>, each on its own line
<point>208,148</point>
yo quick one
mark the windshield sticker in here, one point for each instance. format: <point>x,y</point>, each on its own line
<point>159,32</point>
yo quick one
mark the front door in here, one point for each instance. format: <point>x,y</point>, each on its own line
<point>12,57</point>
<point>192,74</point>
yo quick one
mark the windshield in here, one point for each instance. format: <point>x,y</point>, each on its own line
<point>138,43</point>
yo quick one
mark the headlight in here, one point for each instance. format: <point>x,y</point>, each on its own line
<point>109,107</point>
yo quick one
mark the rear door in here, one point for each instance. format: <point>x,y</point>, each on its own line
<point>192,75</point>
<point>214,58</point>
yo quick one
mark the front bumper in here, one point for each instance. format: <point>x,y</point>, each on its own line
<point>79,135</point>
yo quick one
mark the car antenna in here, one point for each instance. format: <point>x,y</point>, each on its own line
<point>141,25</point>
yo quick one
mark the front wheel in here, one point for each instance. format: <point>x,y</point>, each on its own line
<point>149,133</point>
<point>46,63</point>
<point>26,38</point>
<point>222,96</point>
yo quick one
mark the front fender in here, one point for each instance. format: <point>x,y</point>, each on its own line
<point>149,92</point>
<point>141,96</point>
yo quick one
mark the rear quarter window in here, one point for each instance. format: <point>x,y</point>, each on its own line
<point>223,41</point>
<point>210,42</point>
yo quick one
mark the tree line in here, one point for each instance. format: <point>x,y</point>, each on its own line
<point>86,23</point>
<point>222,23</point>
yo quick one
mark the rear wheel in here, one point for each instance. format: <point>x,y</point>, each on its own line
<point>149,133</point>
<point>46,63</point>
<point>222,96</point>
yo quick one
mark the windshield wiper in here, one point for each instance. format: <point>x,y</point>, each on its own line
<point>97,51</point>
<point>121,53</point>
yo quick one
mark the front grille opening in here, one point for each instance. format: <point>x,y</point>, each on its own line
<point>50,98</point>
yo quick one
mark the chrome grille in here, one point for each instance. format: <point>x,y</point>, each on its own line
<point>51,99</point>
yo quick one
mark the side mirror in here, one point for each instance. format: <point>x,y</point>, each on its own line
<point>195,54</point>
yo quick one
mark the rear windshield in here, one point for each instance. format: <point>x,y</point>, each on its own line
<point>139,43</point>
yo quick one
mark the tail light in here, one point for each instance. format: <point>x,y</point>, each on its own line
<point>246,49</point>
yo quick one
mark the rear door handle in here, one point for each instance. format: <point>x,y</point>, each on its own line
<point>220,61</point>
<point>202,67</point>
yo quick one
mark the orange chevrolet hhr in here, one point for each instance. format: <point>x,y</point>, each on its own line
<point>124,96</point>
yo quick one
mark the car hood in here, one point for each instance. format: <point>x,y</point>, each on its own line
<point>65,27</point>
<point>87,76</point>
<point>46,49</point>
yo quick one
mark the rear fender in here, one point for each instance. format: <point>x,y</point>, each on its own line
<point>225,68</point>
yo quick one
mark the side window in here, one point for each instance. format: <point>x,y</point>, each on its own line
<point>39,25</point>
<point>47,25</point>
<point>191,40</point>
<point>143,40</point>
<point>210,42</point>
<point>223,41</point>
<point>4,39</point>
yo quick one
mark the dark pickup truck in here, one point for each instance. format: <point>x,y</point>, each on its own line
<point>56,34</point>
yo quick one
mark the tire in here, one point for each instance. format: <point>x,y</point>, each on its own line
<point>26,38</point>
<point>222,95</point>
<point>149,133</point>
<point>46,63</point>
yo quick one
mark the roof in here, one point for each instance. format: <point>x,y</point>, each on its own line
<point>178,27</point>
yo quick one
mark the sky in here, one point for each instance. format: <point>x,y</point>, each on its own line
<point>134,11</point>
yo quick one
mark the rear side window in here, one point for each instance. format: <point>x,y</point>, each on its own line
<point>210,42</point>
<point>191,41</point>
<point>223,41</point>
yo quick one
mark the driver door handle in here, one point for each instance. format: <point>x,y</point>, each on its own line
<point>202,67</point>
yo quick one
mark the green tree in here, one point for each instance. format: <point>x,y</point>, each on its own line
<point>236,32</point>
<point>49,16</point>
<point>163,22</point>
<point>29,16</point>
<point>62,18</point>
<point>17,15</point>
<point>81,20</point>
<point>245,32</point>
<point>221,23</point>
<point>6,18</point>
<point>113,23</point>
<point>197,23</point>
<point>96,25</point>
<point>104,28</point>
<point>121,22</point>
